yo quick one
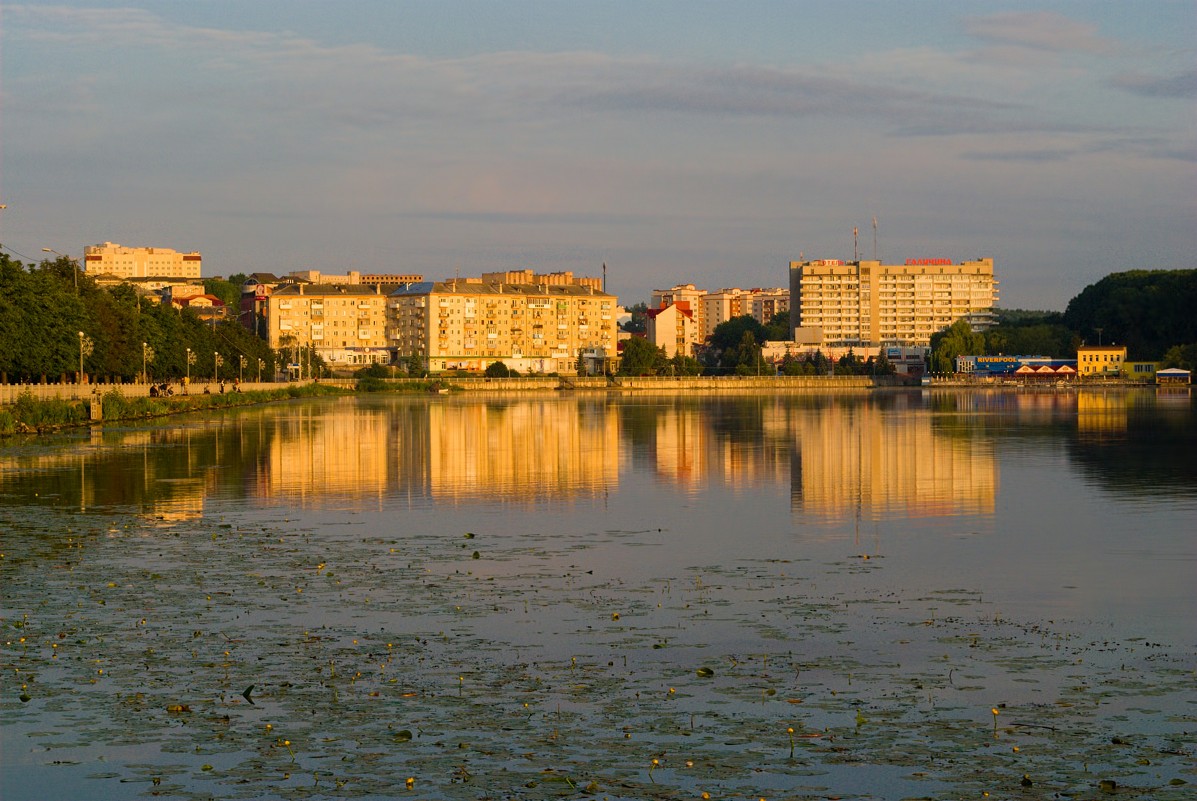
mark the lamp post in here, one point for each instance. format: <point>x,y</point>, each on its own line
<point>261,364</point>
<point>147,356</point>
<point>190,361</point>
<point>217,360</point>
<point>85,349</point>
<point>74,265</point>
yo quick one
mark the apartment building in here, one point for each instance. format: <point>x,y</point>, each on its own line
<point>870,303</point>
<point>531,326</point>
<point>685,293</point>
<point>673,329</point>
<point>345,323</point>
<point>122,262</point>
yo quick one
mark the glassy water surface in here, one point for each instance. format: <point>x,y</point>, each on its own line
<point>791,596</point>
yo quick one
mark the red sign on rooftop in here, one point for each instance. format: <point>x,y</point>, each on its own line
<point>928,262</point>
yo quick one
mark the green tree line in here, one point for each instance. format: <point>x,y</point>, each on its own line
<point>45,306</point>
<point>1152,312</point>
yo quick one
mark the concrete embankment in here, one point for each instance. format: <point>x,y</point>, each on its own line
<point>664,384</point>
<point>10,392</point>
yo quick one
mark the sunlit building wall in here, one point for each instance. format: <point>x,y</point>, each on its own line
<point>530,327</point>
<point>870,303</point>
<point>124,262</point>
<point>345,323</point>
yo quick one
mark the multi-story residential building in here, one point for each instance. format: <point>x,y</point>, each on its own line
<point>674,329</point>
<point>536,327</point>
<point>870,303</point>
<point>1101,360</point>
<point>122,262</point>
<point>687,293</point>
<point>765,304</point>
<point>345,323</point>
<point>720,306</point>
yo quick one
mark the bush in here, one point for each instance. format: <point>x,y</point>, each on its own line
<point>499,370</point>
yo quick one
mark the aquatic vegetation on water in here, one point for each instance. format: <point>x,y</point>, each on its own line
<point>251,657</point>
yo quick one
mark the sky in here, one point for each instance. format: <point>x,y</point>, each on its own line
<point>676,142</point>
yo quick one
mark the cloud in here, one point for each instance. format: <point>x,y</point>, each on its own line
<point>1183,85</point>
<point>1040,30</point>
<point>1038,156</point>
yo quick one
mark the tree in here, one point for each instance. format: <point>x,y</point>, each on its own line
<point>641,357</point>
<point>882,365</point>
<point>639,322</point>
<point>499,370</point>
<point>746,359</point>
<point>778,328</point>
<point>1181,356</point>
<point>730,333</point>
<point>684,365</point>
<point>958,339</point>
<point>228,292</point>
<point>1149,311</point>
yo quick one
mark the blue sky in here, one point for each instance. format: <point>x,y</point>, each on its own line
<point>705,143</point>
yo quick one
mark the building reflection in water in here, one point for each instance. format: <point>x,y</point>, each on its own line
<point>878,462</point>
<point>876,456</point>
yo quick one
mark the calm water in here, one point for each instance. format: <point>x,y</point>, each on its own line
<point>521,597</point>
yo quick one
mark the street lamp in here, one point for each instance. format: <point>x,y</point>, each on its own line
<point>74,265</point>
<point>217,360</point>
<point>261,364</point>
<point>147,356</point>
<point>241,374</point>
<point>85,349</point>
<point>190,361</point>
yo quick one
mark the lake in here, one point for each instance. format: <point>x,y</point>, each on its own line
<point>923,593</point>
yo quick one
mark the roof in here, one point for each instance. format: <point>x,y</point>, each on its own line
<point>472,288</point>
<point>324,290</point>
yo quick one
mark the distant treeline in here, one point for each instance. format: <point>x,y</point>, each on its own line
<point>1152,312</point>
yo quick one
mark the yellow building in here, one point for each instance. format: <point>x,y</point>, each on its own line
<point>686,293</point>
<point>122,262</point>
<point>1104,361</point>
<point>531,326</point>
<point>870,303</point>
<point>345,324</point>
<point>673,329</point>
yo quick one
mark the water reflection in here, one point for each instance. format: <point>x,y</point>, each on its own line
<point>917,454</point>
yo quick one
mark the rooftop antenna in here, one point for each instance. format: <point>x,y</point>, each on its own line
<point>874,237</point>
<point>855,249</point>
<point>604,278</point>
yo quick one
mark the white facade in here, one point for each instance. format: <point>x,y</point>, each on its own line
<point>113,259</point>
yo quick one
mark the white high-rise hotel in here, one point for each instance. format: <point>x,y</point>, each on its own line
<point>867,303</point>
<point>122,262</point>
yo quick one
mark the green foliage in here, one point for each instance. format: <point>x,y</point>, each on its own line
<point>227,291</point>
<point>730,334</point>
<point>778,328</point>
<point>639,322</point>
<point>641,357</point>
<point>683,366</point>
<point>42,313</point>
<point>499,370</point>
<point>1182,356</point>
<point>958,339</point>
<point>1149,311</point>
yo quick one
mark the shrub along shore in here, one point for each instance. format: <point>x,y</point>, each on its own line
<point>30,415</point>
